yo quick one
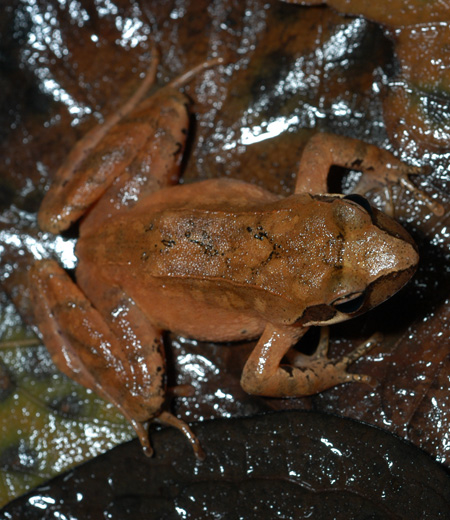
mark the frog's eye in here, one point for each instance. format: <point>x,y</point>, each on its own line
<point>350,303</point>
<point>361,201</point>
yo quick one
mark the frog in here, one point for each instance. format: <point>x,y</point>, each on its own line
<point>218,260</point>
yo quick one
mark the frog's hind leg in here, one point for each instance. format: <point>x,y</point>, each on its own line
<point>136,151</point>
<point>264,374</point>
<point>93,163</point>
<point>380,167</point>
<point>143,348</point>
<point>156,162</point>
<point>121,359</point>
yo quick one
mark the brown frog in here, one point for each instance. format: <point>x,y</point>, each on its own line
<point>219,260</point>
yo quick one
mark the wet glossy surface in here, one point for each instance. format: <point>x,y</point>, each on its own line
<point>298,465</point>
<point>297,69</point>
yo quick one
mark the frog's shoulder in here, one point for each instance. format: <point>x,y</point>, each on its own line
<point>210,194</point>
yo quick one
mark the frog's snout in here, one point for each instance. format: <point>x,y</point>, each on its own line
<point>396,256</point>
<point>392,227</point>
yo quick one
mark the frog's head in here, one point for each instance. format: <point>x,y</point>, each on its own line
<point>378,257</point>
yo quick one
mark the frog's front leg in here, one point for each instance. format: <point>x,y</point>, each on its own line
<point>119,354</point>
<point>264,374</point>
<point>381,169</point>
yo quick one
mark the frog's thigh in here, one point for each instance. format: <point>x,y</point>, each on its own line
<point>263,374</point>
<point>84,345</point>
<point>156,162</point>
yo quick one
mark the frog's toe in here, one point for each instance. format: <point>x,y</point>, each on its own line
<point>142,433</point>
<point>181,391</point>
<point>359,378</point>
<point>170,420</point>
<point>434,206</point>
<point>361,350</point>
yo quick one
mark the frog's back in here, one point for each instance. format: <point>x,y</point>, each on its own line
<point>224,241</point>
<point>212,229</point>
<point>218,230</point>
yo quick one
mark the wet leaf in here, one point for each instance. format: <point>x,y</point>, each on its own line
<point>293,70</point>
<point>286,465</point>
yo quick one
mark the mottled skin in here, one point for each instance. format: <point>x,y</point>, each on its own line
<point>219,260</point>
<point>248,255</point>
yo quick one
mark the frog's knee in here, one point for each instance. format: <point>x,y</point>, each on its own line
<point>254,383</point>
<point>250,383</point>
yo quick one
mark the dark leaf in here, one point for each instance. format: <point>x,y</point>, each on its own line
<point>279,465</point>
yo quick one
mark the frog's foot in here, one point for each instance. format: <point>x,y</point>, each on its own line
<point>404,181</point>
<point>397,174</point>
<point>79,182</point>
<point>264,374</point>
<point>168,419</point>
<point>335,370</point>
